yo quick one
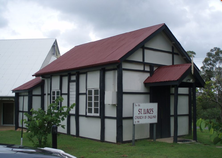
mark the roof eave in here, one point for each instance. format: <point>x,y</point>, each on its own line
<point>77,68</point>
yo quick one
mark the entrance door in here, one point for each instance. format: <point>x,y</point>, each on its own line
<point>161,95</point>
<point>8,109</point>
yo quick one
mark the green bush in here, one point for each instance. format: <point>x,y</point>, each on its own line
<point>40,122</point>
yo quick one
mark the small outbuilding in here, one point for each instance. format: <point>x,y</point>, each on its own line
<point>105,77</point>
<point>19,59</point>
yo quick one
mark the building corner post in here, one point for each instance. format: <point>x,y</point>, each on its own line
<point>119,104</point>
<point>102,104</point>
<point>16,111</point>
<point>194,114</point>
<point>175,114</point>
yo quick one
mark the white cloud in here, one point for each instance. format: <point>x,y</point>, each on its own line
<point>195,23</point>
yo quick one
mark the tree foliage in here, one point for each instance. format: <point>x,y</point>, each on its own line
<point>211,95</point>
<point>40,122</point>
<point>191,53</point>
<point>214,127</point>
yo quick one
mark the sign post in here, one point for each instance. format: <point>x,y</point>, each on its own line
<point>144,113</point>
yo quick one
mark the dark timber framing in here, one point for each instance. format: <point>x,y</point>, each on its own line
<point>175,114</point>
<point>68,103</point>
<point>29,101</point>
<point>102,104</point>
<point>16,110</point>
<point>77,105</point>
<point>119,104</point>
<point>194,114</point>
<point>173,55</point>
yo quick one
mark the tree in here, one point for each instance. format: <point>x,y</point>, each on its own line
<point>214,127</point>
<point>191,53</point>
<point>212,74</point>
<point>40,122</point>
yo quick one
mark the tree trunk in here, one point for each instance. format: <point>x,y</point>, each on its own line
<point>221,114</point>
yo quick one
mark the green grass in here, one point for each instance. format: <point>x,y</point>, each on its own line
<point>85,148</point>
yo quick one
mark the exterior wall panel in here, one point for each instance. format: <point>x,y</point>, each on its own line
<point>36,102</point>
<point>129,99</point>
<point>72,125</point>
<point>89,127</point>
<point>25,103</point>
<point>135,66</point>
<point>82,83</point>
<point>111,81</point>
<point>133,81</point>
<point>64,84</point>
<point>141,130</point>
<point>110,130</point>
<point>60,129</point>
<point>158,57</point>
<point>55,82</point>
<point>160,41</point>
<point>82,104</point>
<point>183,125</point>
<point>110,110</point>
<point>37,90</point>
<point>93,79</point>
<point>136,56</point>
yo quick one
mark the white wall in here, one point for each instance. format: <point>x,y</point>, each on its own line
<point>55,82</point>
<point>65,84</point>
<point>129,99</point>
<point>82,83</point>
<point>158,57</point>
<point>110,130</point>
<point>111,81</point>
<point>93,79</point>
<point>183,125</point>
<point>82,104</point>
<point>72,125</point>
<point>133,81</point>
<point>141,130</point>
<point>136,56</point>
<point>23,102</point>
<point>37,90</point>
<point>183,109</point>
<point>36,102</point>
<point>89,127</point>
<point>160,41</point>
<point>60,129</point>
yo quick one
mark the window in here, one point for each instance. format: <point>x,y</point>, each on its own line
<point>93,102</point>
<point>55,95</point>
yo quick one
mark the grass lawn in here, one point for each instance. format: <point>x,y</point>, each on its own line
<point>85,148</point>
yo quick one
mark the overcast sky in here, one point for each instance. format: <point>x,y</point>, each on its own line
<point>197,24</point>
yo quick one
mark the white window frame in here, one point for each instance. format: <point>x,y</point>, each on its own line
<point>55,95</point>
<point>93,102</point>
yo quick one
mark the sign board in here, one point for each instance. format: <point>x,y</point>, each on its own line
<point>145,113</point>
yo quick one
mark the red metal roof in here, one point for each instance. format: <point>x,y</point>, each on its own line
<point>29,84</point>
<point>101,52</point>
<point>168,73</point>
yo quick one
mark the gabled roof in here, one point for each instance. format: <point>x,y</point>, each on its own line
<point>28,85</point>
<point>173,75</point>
<point>20,58</point>
<point>106,51</point>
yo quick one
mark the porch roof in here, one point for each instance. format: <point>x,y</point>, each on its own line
<point>174,75</point>
<point>28,85</point>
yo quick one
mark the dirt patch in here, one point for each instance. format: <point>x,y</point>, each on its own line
<point>7,128</point>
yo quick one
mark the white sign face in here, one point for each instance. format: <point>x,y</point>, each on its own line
<point>145,113</point>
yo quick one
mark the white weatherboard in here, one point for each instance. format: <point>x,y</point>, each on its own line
<point>145,113</point>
